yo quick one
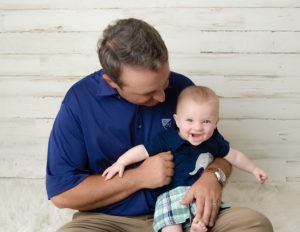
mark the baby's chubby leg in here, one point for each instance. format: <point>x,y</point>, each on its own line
<point>198,226</point>
<point>172,228</point>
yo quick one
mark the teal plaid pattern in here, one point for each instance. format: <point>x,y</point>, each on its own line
<point>169,211</point>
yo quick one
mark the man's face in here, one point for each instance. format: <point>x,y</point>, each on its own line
<point>143,87</point>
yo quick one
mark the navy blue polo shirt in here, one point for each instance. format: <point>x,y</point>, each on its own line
<point>190,161</point>
<point>94,126</point>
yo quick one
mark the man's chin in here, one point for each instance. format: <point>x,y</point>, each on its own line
<point>149,104</point>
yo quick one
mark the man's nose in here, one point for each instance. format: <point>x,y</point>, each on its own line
<point>159,96</point>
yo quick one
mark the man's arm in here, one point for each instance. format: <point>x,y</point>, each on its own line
<point>94,192</point>
<point>208,192</point>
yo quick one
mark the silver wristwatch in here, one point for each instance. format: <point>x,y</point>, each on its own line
<point>221,177</point>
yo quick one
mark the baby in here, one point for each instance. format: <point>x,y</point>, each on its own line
<point>194,142</point>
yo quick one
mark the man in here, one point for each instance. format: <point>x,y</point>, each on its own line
<point>125,104</point>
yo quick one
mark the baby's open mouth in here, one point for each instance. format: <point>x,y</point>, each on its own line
<point>196,135</point>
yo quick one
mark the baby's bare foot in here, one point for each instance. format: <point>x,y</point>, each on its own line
<point>198,226</point>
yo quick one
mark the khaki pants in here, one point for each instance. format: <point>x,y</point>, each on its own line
<point>229,220</point>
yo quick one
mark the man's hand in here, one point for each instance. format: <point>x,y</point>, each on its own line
<point>207,192</point>
<point>157,171</point>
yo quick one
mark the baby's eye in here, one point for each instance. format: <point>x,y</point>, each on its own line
<point>206,121</point>
<point>189,120</point>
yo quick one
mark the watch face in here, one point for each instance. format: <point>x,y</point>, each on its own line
<point>222,176</point>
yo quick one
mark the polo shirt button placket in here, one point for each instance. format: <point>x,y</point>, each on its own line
<point>138,136</point>
<point>138,117</point>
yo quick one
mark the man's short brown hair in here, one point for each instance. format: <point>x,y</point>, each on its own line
<point>130,42</point>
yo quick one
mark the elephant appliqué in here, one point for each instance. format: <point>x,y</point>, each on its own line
<point>203,160</point>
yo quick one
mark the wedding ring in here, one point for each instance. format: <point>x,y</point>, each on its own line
<point>214,204</point>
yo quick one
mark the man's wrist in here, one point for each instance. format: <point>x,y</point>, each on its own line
<point>219,174</point>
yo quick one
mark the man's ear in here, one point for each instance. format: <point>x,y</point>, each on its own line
<point>110,81</point>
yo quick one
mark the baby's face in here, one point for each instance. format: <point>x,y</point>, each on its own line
<point>196,121</point>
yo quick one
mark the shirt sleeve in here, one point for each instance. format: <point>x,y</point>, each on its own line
<point>67,156</point>
<point>222,145</point>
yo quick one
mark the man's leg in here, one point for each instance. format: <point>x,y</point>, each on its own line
<point>241,219</point>
<point>98,222</point>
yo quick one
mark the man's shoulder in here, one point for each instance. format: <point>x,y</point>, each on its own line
<point>84,87</point>
<point>87,82</point>
<point>179,81</point>
<point>179,78</point>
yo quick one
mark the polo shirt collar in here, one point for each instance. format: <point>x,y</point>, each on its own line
<point>174,139</point>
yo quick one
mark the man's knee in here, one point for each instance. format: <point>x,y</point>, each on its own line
<point>255,220</point>
<point>242,219</point>
<point>260,221</point>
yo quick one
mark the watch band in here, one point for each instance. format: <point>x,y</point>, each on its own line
<point>220,175</point>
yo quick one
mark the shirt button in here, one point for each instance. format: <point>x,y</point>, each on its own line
<point>139,126</point>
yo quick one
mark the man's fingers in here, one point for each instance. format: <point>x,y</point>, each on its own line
<point>168,180</point>
<point>168,156</point>
<point>199,207</point>
<point>170,172</point>
<point>207,212</point>
<point>169,164</point>
<point>214,213</point>
<point>188,198</point>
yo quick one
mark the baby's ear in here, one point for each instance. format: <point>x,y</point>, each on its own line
<point>175,118</point>
<point>218,120</point>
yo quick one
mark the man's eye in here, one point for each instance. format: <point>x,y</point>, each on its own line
<point>206,121</point>
<point>189,120</point>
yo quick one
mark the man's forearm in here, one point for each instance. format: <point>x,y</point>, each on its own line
<point>94,192</point>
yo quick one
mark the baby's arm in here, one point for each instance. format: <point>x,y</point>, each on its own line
<point>133,155</point>
<point>241,161</point>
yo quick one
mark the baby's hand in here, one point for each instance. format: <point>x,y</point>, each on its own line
<point>260,175</point>
<point>113,170</point>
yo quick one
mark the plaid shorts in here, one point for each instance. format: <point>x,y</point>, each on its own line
<point>169,211</point>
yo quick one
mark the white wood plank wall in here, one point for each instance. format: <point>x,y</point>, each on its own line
<point>247,51</point>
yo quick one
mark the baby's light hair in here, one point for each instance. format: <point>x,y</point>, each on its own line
<point>199,94</point>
